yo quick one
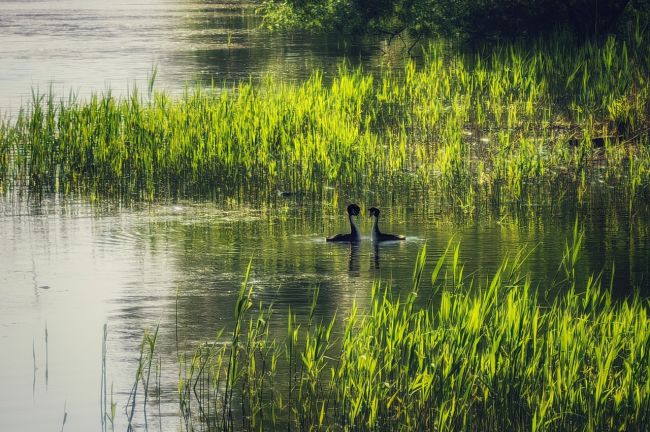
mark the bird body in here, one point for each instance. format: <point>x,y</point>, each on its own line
<point>354,235</point>
<point>376,234</point>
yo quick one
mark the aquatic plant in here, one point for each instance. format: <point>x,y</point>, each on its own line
<point>460,354</point>
<point>481,126</point>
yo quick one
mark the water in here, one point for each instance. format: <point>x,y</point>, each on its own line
<point>67,267</point>
<point>93,45</point>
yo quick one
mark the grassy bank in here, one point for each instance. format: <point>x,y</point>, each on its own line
<point>473,126</point>
<point>455,354</point>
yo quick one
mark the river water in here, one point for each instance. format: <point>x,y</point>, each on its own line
<point>85,46</point>
<point>68,265</point>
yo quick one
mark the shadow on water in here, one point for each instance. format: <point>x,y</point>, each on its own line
<point>239,51</point>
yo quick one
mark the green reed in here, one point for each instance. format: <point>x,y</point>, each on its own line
<point>142,376</point>
<point>489,124</point>
<point>454,354</point>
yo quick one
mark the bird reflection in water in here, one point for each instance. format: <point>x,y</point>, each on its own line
<point>354,266</point>
<point>375,255</point>
<point>393,249</point>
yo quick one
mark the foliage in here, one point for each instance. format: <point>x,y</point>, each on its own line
<point>460,355</point>
<point>466,18</point>
<point>557,117</point>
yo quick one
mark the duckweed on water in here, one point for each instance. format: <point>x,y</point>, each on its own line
<point>470,125</point>
<point>466,355</point>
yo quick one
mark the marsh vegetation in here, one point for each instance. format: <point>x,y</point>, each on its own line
<point>455,353</point>
<point>520,136</point>
<point>478,128</point>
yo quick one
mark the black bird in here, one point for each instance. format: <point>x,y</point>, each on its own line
<point>378,235</point>
<point>354,236</point>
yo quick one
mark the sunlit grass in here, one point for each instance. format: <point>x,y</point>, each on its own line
<point>454,354</point>
<point>469,125</point>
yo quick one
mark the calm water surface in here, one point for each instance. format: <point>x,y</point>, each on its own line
<point>68,267</point>
<point>93,45</point>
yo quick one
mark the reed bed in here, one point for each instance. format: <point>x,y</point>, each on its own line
<point>453,354</point>
<point>490,124</point>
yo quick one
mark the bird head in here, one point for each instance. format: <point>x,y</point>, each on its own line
<point>354,210</point>
<point>373,211</point>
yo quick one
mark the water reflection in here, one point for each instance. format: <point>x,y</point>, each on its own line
<point>354,266</point>
<point>375,255</point>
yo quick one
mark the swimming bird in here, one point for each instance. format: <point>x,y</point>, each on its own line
<point>354,236</point>
<point>378,235</point>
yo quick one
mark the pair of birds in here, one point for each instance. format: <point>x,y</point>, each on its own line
<point>355,235</point>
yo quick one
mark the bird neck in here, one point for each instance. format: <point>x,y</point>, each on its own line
<point>375,225</point>
<point>353,228</point>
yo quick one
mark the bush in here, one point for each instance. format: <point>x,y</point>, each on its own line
<point>469,19</point>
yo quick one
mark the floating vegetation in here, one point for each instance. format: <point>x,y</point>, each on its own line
<point>489,125</point>
<point>460,354</point>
